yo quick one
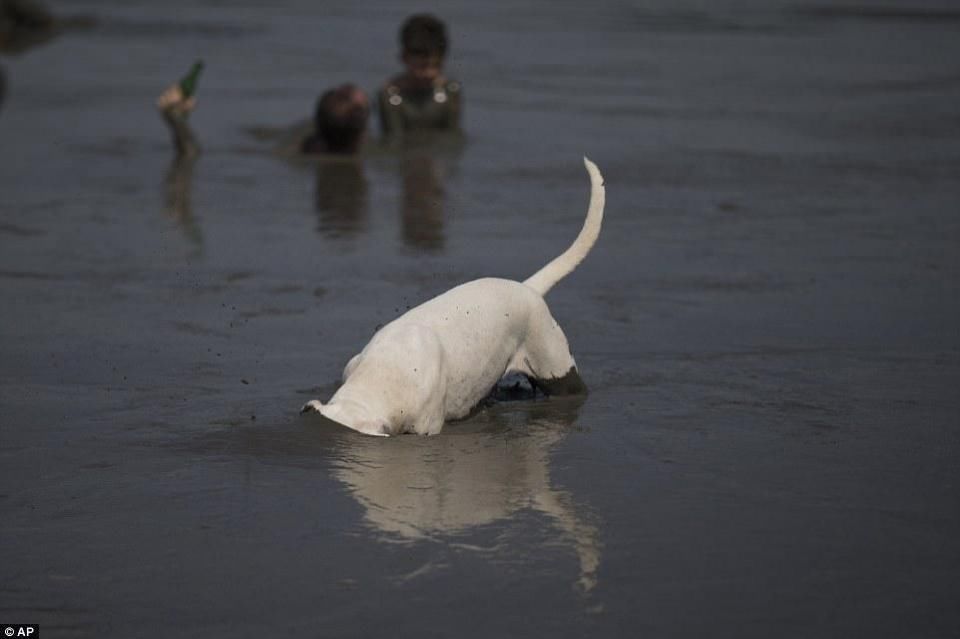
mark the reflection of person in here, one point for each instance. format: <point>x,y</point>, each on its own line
<point>341,197</point>
<point>421,97</point>
<point>340,122</point>
<point>177,187</point>
<point>421,211</point>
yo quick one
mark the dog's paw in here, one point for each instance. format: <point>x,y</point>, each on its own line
<point>313,404</point>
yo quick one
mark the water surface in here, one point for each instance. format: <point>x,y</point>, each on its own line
<point>768,326</point>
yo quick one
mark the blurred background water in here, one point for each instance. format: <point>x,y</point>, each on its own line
<point>768,325</point>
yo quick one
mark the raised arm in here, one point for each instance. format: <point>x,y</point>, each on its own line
<point>176,109</point>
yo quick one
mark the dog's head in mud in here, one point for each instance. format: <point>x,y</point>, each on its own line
<point>348,412</point>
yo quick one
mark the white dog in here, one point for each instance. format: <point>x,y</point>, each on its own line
<point>439,360</point>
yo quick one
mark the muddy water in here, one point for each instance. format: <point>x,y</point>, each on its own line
<point>768,326</point>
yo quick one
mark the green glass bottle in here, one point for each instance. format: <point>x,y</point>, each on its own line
<point>188,85</point>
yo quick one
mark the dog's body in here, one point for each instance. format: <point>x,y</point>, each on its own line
<point>439,360</point>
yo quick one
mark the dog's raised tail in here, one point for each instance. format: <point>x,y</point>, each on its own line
<point>561,266</point>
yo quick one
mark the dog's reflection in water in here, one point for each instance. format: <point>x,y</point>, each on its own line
<point>494,465</point>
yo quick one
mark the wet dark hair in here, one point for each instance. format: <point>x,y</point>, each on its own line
<point>339,120</point>
<point>424,34</point>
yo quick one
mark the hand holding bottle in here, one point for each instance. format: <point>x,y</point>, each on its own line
<point>178,99</point>
<point>174,102</point>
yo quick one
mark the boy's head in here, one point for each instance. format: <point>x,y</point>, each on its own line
<point>341,118</point>
<point>423,43</point>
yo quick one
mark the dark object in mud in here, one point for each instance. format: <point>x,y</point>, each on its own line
<point>514,387</point>
<point>25,24</point>
<point>569,384</point>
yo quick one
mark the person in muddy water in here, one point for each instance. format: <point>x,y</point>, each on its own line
<point>339,123</point>
<point>422,97</point>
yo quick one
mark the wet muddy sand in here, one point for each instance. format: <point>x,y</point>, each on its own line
<point>768,326</point>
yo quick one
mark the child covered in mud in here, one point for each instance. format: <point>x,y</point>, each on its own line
<point>421,97</point>
<point>339,124</point>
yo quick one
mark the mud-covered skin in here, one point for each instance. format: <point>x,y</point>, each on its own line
<point>184,141</point>
<point>406,108</point>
